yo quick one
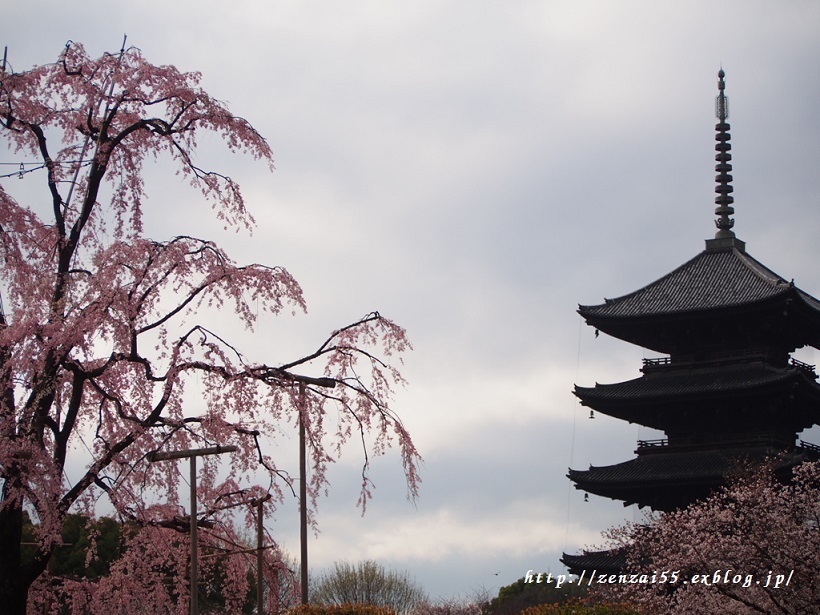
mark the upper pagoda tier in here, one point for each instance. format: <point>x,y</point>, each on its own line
<point>718,301</point>
<point>723,300</point>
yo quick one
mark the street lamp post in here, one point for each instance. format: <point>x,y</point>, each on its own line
<point>192,454</point>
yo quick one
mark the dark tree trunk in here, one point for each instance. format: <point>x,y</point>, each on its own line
<point>13,586</point>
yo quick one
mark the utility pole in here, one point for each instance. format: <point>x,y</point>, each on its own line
<point>192,454</point>
<point>260,560</point>
<point>303,497</point>
<point>328,383</point>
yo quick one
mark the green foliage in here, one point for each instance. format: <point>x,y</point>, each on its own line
<point>518,596</point>
<point>87,550</point>
<point>341,609</point>
<point>91,546</point>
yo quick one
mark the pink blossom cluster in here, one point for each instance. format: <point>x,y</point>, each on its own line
<point>749,548</point>
<point>102,354</point>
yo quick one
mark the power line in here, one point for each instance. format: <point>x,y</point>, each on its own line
<point>24,162</point>
<point>22,170</point>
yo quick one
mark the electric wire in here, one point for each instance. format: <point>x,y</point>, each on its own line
<point>574,421</point>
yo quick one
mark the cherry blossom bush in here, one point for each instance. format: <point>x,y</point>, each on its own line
<point>576,606</point>
<point>750,548</point>
<point>341,609</point>
<point>100,336</point>
<point>453,606</point>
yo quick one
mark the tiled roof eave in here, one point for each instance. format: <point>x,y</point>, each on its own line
<point>682,385</point>
<point>682,468</point>
<point>593,315</point>
<point>710,281</point>
<point>600,561</point>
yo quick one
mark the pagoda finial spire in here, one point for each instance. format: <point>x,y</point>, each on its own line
<point>725,237</point>
<point>723,167</point>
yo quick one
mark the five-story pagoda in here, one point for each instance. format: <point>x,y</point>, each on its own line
<point>727,388</point>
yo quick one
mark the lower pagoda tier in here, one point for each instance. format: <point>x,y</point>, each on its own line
<point>601,562</point>
<point>667,479</point>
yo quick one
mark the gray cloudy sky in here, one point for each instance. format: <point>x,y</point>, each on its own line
<point>474,170</point>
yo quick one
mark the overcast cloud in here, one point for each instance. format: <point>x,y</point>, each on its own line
<point>474,170</point>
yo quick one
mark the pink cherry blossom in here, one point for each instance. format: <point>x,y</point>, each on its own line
<point>99,338</point>
<point>749,548</point>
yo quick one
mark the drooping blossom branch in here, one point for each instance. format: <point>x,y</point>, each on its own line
<point>104,349</point>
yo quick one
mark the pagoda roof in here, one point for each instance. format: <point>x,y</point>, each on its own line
<point>719,280</point>
<point>605,562</point>
<point>652,478</point>
<point>651,469</point>
<point>699,380</point>
<point>713,279</point>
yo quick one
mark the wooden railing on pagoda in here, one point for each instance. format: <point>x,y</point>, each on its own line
<point>722,357</point>
<point>730,441</point>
